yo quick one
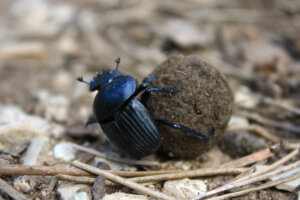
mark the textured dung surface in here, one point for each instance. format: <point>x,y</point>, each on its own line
<point>205,101</point>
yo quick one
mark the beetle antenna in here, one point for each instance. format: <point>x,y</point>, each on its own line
<point>118,60</point>
<point>80,79</point>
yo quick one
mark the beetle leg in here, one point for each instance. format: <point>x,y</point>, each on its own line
<point>146,95</point>
<point>188,130</point>
<point>91,120</point>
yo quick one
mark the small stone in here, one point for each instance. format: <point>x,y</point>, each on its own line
<point>74,192</point>
<point>54,107</point>
<point>238,121</point>
<point>25,184</point>
<point>113,165</point>
<point>241,143</point>
<point>186,35</point>
<point>124,196</point>
<point>98,190</point>
<point>17,126</point>
<point>64,151</point>
<point>185,188</point>
<point>245,98</point>
<point>63,81</point>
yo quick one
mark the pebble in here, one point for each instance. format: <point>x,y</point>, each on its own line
<point>25,183</point>
<point>54,107</point>
<point>185,188</point>
<point>186,34</point>
<point>241,143</point>
<point>74,192</point>
<point>124,196</point>
<point>113,165</point>
<point>64,151</point>
<point>238,121</point>
<point>17,126</point>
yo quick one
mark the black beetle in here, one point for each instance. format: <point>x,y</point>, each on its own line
<point>125,120</point>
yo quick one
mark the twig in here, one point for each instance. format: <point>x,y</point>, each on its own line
<point>12,192</point>
<point>273,166</point>
<point>264,171</point>
<point>77,179</point>
<point>123,181</point>
<point>143,173</point>
<point>281,104</point>
<point>238,184</point>
<point>40,170</point>
<point>277,124</point>
<point>261,187</point>
<point>259,130</point>
<point>88,180</point>
<point>190,173</point>
<point>114,158</point>
<point>247,160</point>
<point>269,168</point>
<point>56,170</point>
<point>51,186</point>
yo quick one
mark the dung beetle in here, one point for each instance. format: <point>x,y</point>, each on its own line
<point>125,119</point>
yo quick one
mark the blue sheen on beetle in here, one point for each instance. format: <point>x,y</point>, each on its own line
<point>125,119</point>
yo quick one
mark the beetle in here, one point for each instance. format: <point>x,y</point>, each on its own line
<point>125,119</point>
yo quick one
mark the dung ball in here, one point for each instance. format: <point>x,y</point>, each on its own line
<point>204,101</point>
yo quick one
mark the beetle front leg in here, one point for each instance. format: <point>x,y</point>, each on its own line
<point>146,95</point>
<point>188,130</point>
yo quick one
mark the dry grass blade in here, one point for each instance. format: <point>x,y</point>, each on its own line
<point>113,158</point>
<point>258,130</point>
<point>123,181</point>
<point>238,184</point>
<point>277,124</point>
<point>190,173</point>
<point>13,193</point>
<point>281,104</point>
<point>253,189</point>
<point>273,166</point>
<point>76,179</point>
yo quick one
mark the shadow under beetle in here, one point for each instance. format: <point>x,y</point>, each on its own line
<point>125,120</point>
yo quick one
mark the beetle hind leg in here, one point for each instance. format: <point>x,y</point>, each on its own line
<point>188,130</point>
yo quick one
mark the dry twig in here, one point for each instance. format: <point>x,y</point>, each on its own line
<point>60,170</point>
<point>40,170</point>
<point>12,192</point>
<point>123,181</point>
<point>190,173</point>
<point>114,158</point>
<point>273,166</point>
<point>247,160</point>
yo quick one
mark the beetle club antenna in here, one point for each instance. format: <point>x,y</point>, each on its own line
<point>80,79</point>
<point>118,60</point>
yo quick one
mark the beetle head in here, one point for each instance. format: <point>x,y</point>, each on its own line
<point>102,79</point>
